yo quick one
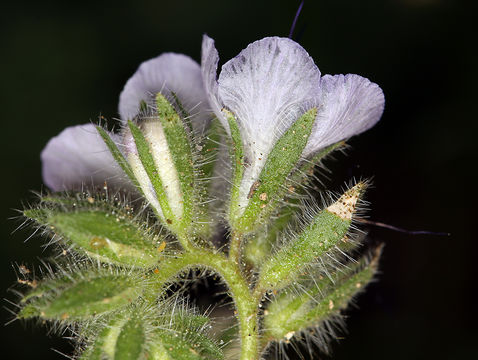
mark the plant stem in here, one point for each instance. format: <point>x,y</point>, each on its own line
<point>246,304</point>
<point>235,247</point>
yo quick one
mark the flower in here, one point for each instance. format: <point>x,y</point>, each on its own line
<point>78,155</point>
<point>270,84</point>
<point>267,87</point>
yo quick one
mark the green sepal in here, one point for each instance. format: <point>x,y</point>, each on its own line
<point>74,297</point>
<point>326,230</point>
<point>150,332</point>
<point>210,149</point>
<point>131,340</point>
<point>186,340</point>
<point>306,170</point>
<point>269,189</point>
<point>237,160</point>
<point>124,337</point>
<point>259,246</point>
<point>117,155</point>
<point>101,233</point>
<point>182,110</point>
<point>146,158</point>
<point>180,148</point>
<point>294,311</point>
<point>208,153</point>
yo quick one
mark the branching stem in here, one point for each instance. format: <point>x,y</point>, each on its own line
<point>246,304</point>
<point>235,247</point>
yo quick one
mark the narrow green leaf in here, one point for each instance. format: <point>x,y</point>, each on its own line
<point>326,230</point>
<point>82,297</point>
<point>290,313</point>
<point>280,162</point>
<point>108,236</point>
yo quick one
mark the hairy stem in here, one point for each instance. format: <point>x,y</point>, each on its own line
<point>235,247</point>
<point>246,304</point>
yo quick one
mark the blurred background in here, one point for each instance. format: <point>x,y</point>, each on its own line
<point>65,63</point>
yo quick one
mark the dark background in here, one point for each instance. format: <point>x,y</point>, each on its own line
<point>63,64</point>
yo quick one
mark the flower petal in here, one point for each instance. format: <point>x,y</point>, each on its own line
<point>209,61</point>
<point>77,156</point>
<point>349,105</point>
<point>166,73</point>
<point>268,86</point>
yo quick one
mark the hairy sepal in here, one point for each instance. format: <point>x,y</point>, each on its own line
<point>118,155</point>
<point>259,246</point>
<point>153,332</point>
<point>123,337</point>
<point>79,296</point>
<point>237,160</point>
<point>267,191</point>
<point>296,309</point>
<point>147,164</point>
<point>180,148</point>
<point>99,229</point>
<point>322,235</point>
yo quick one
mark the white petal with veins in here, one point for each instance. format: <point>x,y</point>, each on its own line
<point>77,156</point>
<point>349,105</point>
<point>167,73</point>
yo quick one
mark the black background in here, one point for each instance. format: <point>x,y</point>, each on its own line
<point>64,63</point>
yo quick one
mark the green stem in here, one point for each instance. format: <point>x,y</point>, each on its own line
<point>185,242</point>
<point>246,304</point>
<point>235,247</point>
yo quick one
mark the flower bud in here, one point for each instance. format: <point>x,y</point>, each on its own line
<point>327,229</point>
<point>291,313</point>
<point>158,151</point>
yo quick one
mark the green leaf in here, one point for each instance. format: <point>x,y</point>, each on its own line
<point>269,188</point>
<point>108,236</point>
<point>74,297</point>
<point>327,229</point>
<point>290,313</point>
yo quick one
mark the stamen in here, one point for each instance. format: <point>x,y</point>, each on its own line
<point>292,28</point>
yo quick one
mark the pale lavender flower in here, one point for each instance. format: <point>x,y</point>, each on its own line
<point>270,84</point>
<point>267,86</point>
<point>79,156</point>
